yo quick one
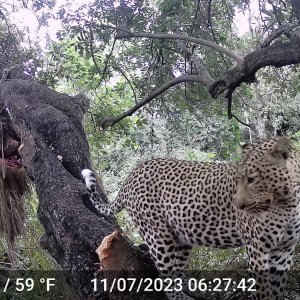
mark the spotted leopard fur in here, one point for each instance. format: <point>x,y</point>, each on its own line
<point>178,204</point>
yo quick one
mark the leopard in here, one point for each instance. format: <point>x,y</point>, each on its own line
<point>253,203</point>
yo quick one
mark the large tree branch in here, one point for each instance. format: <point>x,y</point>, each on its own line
<point>277,55</point>
<point>119,69</point>
<point>123,33</point>
<point>183,78</point>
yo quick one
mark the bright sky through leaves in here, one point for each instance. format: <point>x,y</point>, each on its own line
<point>26,20</point>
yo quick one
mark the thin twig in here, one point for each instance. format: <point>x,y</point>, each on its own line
<point>195,18</point>
<point>212,30</point>
<point>128,81</point>
<point>261,16</point>
<point>107,61</point>
<point>229,108</point>
<point>92,50</point>
<point>201,70</point>
<point>240,121</point>
<point>94,59</point>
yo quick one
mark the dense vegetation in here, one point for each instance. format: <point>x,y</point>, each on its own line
<point>109,51</point>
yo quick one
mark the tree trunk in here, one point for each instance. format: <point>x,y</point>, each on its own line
<point>54,153</point>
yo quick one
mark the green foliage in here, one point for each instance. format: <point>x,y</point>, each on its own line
<point>90,57</point>
<point>184,122</point>
<point>226,259</point>
<point>32,263</point>
<point>29,253</point>
<point>11,51</point>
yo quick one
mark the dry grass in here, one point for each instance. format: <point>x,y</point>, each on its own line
<point>13,186</point>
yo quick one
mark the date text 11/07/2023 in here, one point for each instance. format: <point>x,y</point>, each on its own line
<point>173,285</point>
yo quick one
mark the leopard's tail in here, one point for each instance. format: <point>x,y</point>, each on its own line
<point>94,198</point>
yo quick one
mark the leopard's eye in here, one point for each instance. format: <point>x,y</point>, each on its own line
<point>252,176</point>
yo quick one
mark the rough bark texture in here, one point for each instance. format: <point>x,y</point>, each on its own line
<point>55,151</point>
<point>277,55</point>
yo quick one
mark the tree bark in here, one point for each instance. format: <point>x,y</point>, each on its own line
<point>54,153</point>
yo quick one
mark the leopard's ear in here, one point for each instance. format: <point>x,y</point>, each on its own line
<point>281,148</point>
<point>280,152</point>
<point>243,145</point>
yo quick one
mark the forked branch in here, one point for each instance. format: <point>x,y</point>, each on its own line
<point>277,55</point>
<point>277,33</point>
<point>201,70</point>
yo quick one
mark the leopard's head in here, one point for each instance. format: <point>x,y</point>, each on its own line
<point>263,177</point>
